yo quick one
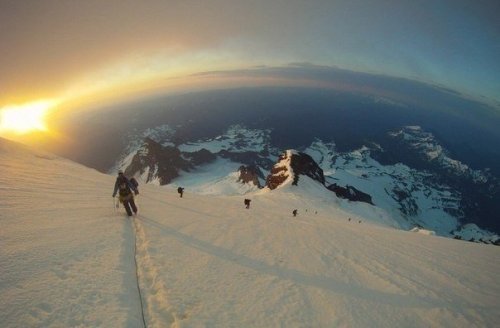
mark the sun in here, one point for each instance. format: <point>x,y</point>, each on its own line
<point>25,118</point>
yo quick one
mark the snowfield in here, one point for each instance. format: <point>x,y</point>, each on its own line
<point>69,259</point>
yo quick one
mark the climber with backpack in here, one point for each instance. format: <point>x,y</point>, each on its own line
<point>126,191</point>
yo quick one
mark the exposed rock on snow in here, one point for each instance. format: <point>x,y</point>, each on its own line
<point>249,174</point>
<point>200,157</point>
<point>291,165</point>
<point>303,164</point>
<point>280,172</point>
<point>156,163</point>
<point>351,193</point>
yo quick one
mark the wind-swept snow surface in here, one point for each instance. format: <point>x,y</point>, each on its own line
<point>66,259</point>
<point>205,261</point>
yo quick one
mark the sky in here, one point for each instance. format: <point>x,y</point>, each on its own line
<point>63,51</point>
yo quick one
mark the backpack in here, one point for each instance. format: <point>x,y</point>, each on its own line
<point>123,187</point>
<point>134,183</point>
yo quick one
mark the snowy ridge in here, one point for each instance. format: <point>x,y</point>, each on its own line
<point>135,141</point>
<point>413,198</point>
<point>426,144</point>
<point>324,154</point>
<point>472,232</point>
<point>68,259</point>
<point>399,190</point>
<point>238,143</point>
<point>236,139</point>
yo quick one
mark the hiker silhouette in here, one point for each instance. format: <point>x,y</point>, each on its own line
<point>124,189</point>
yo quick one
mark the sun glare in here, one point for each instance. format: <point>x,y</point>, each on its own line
<point>22,119</point>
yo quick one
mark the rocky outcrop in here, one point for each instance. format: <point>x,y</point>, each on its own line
<point>157,163</point>
<point>303,164</point>
<point>200,157</point>
<point>351,193</point>
<point>279,173</point>
<point>292,164</point>
<point>249,174</point>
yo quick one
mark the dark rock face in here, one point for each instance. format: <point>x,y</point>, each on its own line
<point>351,193</point>
<point>200,157</point>
<point>249,174</point>
<point>303,164</point>
<point>300,164</point>
<point>163,163</point>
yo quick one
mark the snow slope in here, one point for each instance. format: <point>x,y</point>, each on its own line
<point>67,259</point>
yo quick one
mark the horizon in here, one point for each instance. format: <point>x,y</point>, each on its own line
<point>72,53</point>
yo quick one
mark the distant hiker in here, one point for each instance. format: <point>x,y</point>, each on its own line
<point>180,190</point>
<point>295,212</point>
<point>349,219</point>
<point>315,212</point>
<point>359,221</point>
<point>247,203</point>
<point>126,197</point>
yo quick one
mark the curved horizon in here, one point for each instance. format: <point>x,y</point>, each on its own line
<point>70,51</point>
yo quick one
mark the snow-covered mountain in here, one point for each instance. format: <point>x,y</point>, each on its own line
<point>428,147</point>
<point>290,167</point>
<point>412,197</point>
<point>70,259</point>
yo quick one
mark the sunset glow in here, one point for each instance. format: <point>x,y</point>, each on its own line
<point>25,118</point>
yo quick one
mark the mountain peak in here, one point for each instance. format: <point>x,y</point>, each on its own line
<point>291,164</point>
<point>156,163</point>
